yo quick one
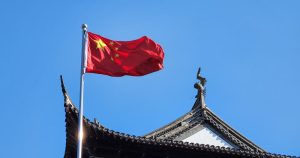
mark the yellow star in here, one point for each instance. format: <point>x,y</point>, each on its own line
<point>100,44</point>
<point>111,43</point>
<point>116,48</point>
<point>111,58</point>
<point>117,55</point>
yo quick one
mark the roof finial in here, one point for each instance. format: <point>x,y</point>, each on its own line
<point>201,88</point>
<point>62,85</point>
<point>66,97</point>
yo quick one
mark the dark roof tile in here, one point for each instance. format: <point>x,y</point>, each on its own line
<point>102,138</point>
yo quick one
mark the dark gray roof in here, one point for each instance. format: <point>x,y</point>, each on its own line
<point>201,116</point>
<point>99,141</point>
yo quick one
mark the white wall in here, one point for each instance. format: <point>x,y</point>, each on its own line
<point>206,136</point>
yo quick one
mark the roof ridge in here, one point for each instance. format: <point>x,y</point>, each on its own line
<point>101,131</point>
<point>210,114</point>
<point>119,136</point>
<point>166,127</point>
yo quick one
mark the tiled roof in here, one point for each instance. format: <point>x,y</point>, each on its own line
<point>102,142</point>
<point>199,116</point>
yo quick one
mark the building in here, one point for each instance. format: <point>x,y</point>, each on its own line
<point>198,133</point>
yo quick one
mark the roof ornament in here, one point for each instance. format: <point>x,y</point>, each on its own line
<point>62,85</point>
<point>200,86</point>
<point>66,97</point>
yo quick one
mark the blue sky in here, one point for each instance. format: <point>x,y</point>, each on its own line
<point>248,51</point>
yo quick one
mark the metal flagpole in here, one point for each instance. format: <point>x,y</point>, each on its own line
<point>82,71</point>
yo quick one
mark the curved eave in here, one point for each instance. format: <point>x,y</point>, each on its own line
<point>98,141</point>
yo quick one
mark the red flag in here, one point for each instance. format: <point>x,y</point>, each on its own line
<point>118,58</point>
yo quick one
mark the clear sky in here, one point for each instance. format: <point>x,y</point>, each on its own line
<point>249,52</point>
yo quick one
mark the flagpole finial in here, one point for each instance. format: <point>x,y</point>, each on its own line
<point>84,27</point>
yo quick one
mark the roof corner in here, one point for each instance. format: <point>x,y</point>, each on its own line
<point>67,100</point>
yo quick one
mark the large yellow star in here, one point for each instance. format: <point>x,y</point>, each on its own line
<point>100,44</point>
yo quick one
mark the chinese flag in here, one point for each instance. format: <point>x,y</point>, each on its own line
<point>118,58</point>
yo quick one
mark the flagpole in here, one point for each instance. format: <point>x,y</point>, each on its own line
<point>82,71</point>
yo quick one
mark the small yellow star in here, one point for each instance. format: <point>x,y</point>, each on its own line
<point>111,58</point>
<point>100,44</point>
<point>117,55</point>
<point>116,49</point>
<point>111,43</point>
